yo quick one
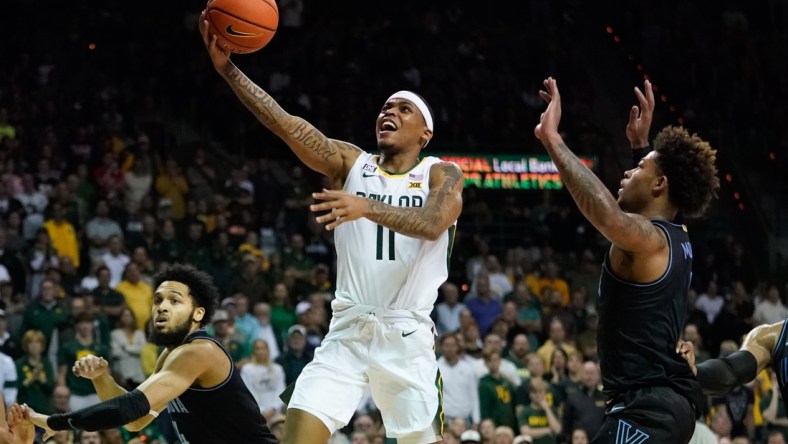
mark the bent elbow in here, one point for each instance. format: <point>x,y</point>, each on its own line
<point>133,427</point>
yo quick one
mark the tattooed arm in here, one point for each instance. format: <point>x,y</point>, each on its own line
<point>331,157</point>
<point>630,232</point>
<point>439,212</point>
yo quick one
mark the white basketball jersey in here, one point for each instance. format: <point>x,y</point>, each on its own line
<point>381,268</point>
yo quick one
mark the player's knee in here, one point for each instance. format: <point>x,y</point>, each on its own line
<point>302,427</point>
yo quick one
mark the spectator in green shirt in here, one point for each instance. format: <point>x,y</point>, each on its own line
<point>83,394</point>
<point>537,419</point>
<point>47,313</point>
<point>35,375</point>
<point>495,392</point>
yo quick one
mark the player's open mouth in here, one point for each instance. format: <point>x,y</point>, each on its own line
<point>160,322</point>
<point>388,127</point>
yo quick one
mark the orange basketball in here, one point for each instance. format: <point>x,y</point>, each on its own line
<point>242,26</point>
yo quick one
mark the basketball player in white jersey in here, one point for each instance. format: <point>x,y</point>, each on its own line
<point>394,216</point>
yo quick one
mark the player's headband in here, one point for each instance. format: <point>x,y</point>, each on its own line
<point>418,101</point>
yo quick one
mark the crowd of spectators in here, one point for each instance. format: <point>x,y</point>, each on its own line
<point>120,155</point>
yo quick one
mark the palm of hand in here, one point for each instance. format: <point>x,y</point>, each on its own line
<point>633,131</point>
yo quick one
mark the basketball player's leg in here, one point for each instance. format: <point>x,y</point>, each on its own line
<point>326,393</point>
<point>304,427</point>
<point>405,383</point>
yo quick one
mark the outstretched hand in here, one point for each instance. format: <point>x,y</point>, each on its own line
<point>20,425</point>
<point>640,117</point>
<point>686,350</point>
<point>27,414</point>
<point>219,56</point>
<point>548,122</point>
<point>343,207</point>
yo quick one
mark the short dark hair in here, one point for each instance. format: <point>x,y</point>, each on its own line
<point>201,287</point>
<point>689,163</point>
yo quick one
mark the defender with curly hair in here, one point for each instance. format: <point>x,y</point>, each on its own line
<point>195,378</point>
<point>654,397</point>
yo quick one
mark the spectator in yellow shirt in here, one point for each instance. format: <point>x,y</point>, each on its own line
<point>138,294</point>
<point>63,234</point>
<point>552,280</point>
<point>171,185</point>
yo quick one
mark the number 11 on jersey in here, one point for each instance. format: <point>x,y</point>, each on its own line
<point>379,244</point>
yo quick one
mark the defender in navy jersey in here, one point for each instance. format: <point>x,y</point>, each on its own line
<point>654,397</point>
<point>195,379</point>
<point>764,345</point>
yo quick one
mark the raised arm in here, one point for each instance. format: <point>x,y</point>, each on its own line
<point>439,212</point>
<point>630,232</point>
<point>330,157</point>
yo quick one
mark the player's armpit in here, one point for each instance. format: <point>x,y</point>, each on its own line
<point>181,369</point>
<point>634,233</point>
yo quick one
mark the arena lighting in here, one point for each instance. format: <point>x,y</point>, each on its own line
<point>609,29</point>
<point>728,177</point>
<point>772,155</point>
<point>736,195</point>
<point>741,206</point>
<point>92,46</point>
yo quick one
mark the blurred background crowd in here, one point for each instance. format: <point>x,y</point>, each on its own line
<point>122,151</point>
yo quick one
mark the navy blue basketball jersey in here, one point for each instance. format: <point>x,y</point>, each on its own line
<point>640,325</point>
<point>780,362</point>
<point>226,413</point>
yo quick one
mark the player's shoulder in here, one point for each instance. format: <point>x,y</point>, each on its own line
<point>442,167</point>
<point>199,350</point>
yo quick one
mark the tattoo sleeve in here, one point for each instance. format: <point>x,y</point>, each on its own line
<point>262,105</point>
<point>310,145</point>
<point>597,203</point>
<point>428,222</point>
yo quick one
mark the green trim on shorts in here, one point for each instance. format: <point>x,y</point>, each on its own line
<point>439,414</point>
<point>450,248</point>
<point>287,393</point>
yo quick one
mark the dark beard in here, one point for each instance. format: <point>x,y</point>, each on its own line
<point>172,338</point>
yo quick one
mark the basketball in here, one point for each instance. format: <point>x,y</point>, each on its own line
<point>242,26</point>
